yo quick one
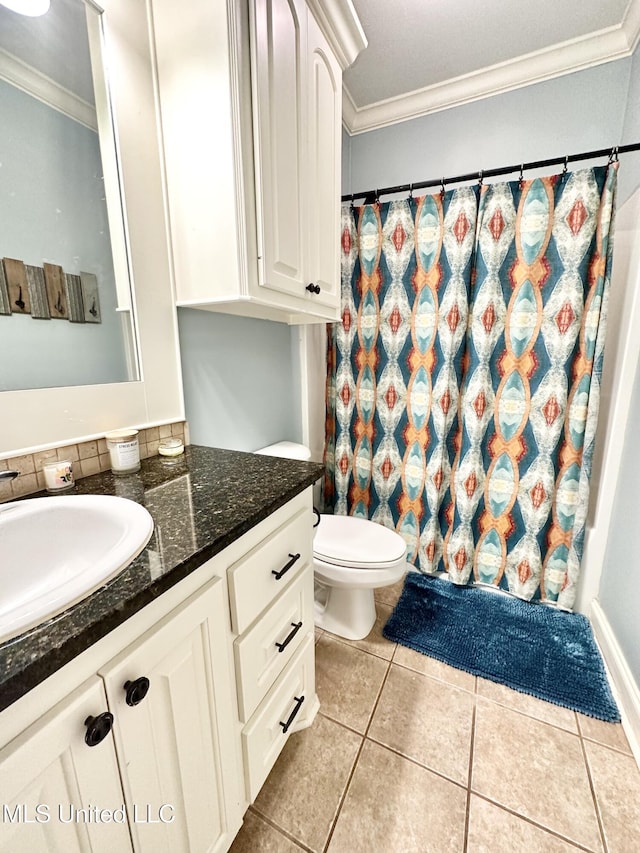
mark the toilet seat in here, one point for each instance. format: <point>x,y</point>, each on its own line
<point>354,552</point>
<point>357,543</point>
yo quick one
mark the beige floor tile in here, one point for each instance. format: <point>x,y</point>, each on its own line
<point>427,720</point>
<point>375,643</point>
<point>530,705</point>
<point>348,681</point>
<point>616,780</point>
<point>303,791</point>
<point>492,830</point>
<point>435,668</point>
<point>534,769</point>
<point>610,734</point>
<point>389,595</point>
<point>257,835</point>
<point>395,806</point>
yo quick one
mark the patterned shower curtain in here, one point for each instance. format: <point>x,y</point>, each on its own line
<point>463,380</point>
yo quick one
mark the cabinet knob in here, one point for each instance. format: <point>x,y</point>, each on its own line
<point>313,288</point>
<point>98,728</point>
<point>136,690</point>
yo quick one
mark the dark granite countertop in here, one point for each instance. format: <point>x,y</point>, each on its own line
<point>200,502</point>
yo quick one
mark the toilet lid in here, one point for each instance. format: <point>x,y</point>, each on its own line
<point>347,541</point>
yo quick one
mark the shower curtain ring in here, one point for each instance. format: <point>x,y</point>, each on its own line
<point>480,177</point>
<point>613,157</point>
<point>442,188</point>
<point>410,192</point>
<point>566,164</point>
<point>521,178</point>
<point>377,197</point>
<point>352,204</point>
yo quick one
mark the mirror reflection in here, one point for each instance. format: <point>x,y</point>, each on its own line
<point>65,315</point>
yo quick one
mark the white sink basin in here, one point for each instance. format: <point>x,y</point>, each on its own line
<point>55,551</point>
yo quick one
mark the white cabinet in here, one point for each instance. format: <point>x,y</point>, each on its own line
<point>155,779</point>
<point>171,701</point>
<point>272,615</point>
<point>324,174</point>
<point>288,706</point>
<point>280,100</point>
<point>250,95</point>
<point>297,96</point>
<point>201,690</point>
<point>48,774</point>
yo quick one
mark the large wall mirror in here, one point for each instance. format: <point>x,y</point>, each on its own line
<point>83,231</point>
<point>65,306</point>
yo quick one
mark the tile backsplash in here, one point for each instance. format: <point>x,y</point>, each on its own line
<point>88,457</point>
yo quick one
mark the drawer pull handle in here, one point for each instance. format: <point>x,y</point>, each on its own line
<point>283,645</point>
<point>98,728</point>
<point>285,569</point>
<point>292,715</point>
<point>136,690</point>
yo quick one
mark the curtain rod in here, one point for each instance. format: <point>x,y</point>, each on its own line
<point>503,170</point>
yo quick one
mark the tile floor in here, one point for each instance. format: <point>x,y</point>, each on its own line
<point>408,754</point>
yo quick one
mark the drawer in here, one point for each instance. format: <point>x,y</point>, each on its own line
<point>268,569</point>
<point>263,652</point>
<point>267,731</point>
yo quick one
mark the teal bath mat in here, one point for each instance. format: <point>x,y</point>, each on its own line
<point>535,649</point>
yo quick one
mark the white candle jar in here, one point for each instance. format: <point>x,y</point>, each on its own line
<point>58,476</point>
<point>124,450</point>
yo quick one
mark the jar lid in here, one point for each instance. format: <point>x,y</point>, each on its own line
<point>121,434</point>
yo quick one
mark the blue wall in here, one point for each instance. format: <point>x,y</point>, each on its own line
<point>238,377</point>
<point>574,113</point>
<point>619,593</point>
<point>52,209</point>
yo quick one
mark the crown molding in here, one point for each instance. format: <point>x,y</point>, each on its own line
<point>577,54</point>
<point>340,24</point>
<point>631,24</point>
<point>349,110</point>
<point>27,79</point>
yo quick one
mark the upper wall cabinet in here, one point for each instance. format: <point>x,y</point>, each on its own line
<point>250,97</point>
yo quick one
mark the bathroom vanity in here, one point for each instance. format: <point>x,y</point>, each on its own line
<point>148,716</point>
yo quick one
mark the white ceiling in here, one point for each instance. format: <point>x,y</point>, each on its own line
<point>427,55</point>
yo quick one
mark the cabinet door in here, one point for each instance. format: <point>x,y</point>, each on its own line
<point>279,81</point>
<point>48,775</point>
<point>324,126</point>
<point>176,744</point>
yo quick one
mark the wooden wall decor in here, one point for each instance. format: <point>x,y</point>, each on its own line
<point>37,293</point>
<point>16,276</point>
<point>54,280</point>
<point>90,298</point>
<point>5,305</point>
<point>73,288</point>
<point>48,292</point>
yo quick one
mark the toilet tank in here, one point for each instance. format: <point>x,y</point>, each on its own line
<point>287,450</point>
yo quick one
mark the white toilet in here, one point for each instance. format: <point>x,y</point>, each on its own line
<point>351,558</point>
